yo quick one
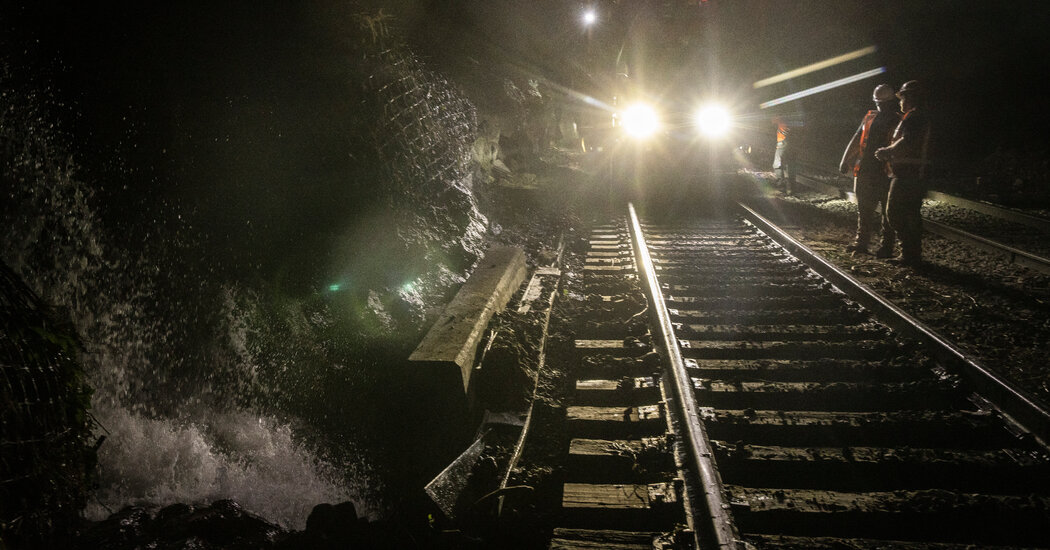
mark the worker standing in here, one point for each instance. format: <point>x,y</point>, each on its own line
<point>871,182</point>
<point>908,158</point>
<point>784,155</point>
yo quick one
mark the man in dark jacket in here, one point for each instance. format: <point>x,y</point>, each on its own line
<point>907,155</point>
<point>871,184</point>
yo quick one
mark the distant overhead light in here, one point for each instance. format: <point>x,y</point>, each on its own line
<point>590,17</point>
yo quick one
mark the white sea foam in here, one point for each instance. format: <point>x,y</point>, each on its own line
<point>250,459</point>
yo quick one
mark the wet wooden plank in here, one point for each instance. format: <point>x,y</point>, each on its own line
<point>599,344</point>
<point>615,496</point>
<point>808,501</point>
<point>627,391</point>
<point>617,447</point>
<point>933,514</point>
<point>992,458</point>
<point>597,539</point>
<point>826,428</point>
<point>618,496</point>
<point>613,414</point>
<point>825,332</point>
<point>777,542</point>
<point>787,370</point>
<point>626,383</point>
<point>930,394</point>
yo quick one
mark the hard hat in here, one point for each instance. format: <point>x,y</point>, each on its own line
<point>883,92</point>
<point>911,87</point>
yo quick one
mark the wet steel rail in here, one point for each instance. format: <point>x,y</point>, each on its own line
<point>777,403</point>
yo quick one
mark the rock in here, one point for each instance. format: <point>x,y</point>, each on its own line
<point>329,521</point>
<point>222,525</point>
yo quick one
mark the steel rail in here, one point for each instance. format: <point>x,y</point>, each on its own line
<point>1010,400</point>
<point>826,188</point>
<point>1015,255</point>
<point>994,210</point>
<point>519,445</point>
<point>723,533</point>
<point>1000,212</point>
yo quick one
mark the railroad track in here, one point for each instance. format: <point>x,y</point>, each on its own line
<point>1015,236</point>
<point>765,407</point>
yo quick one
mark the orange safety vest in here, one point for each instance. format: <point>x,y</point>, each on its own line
<point>865,133</point>
<point>919,153</point>
<point>782,131</point>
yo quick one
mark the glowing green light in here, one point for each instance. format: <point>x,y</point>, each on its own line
<point>408,287</point>
<point>334,287</point>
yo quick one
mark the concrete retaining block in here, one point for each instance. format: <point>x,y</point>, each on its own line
<point>452,342</point>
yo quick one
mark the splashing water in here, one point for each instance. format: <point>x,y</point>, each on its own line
<point>169,401</point>
<point>253,460</point>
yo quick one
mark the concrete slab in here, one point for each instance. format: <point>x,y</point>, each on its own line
<point>452,342</point>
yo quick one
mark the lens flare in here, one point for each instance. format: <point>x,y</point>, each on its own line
<point>823,87</point>
<point>640,121</point>
<point>713,120</point>
<point>816,66</point>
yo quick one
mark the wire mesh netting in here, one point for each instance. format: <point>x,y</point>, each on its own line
<point>44,449</point>
<point>425,129</point>
<point>421,132</point>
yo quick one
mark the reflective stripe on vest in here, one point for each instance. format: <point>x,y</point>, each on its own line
<point>865,132</point>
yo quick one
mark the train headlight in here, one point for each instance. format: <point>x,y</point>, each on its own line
<point>713,121</point>
<point>640,121</point>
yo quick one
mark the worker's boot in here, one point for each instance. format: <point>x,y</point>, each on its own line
<point>859,246</point>
<point>885,251</point>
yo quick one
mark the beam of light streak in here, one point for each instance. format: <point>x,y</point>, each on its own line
<point>580,96</point>
<point>815,67</point>
<point>823,87</point>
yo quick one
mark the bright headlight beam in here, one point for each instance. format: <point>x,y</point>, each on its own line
<point>640,121</point>
<point>823,87</point>
<point>713,120</point>
<point>815,66</point>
